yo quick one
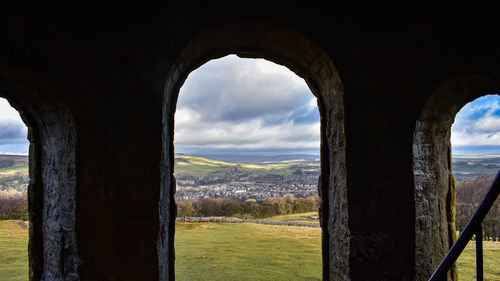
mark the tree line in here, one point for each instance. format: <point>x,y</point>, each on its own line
<point>13,205</point>
<point>470,193</point>
<point>251,208</point>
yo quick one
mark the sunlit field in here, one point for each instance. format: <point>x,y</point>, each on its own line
<point>491,262</point>
<point>208,251</point>
<point>235,251</point>
<point>247,251</point>
<point>13,250</point>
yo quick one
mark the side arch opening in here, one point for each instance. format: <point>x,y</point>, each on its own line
<point>434,192</point>
<point>53,250</point>
<point>307,60</point>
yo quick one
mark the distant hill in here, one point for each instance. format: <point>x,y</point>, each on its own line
<point>476,164</point>
<point>462,164</point>
<point>256,157</point>
<point>13,163</point>
<point>262,163</point>
<point>200,166</point>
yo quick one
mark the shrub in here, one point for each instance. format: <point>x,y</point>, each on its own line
<point>250,208</point>
<point>470,193</point>
<point>13,205</point>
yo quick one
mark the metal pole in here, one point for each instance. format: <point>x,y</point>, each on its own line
<point>479,253</point>
<point>468,231</point>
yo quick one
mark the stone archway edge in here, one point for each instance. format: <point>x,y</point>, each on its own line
<point>53,247</point>
<point>434,184</point>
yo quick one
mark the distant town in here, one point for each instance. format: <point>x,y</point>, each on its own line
<point>235,183</point>
<point>275,177</point>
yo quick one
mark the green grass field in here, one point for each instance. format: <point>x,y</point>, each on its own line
<point>211,251</point>
<point>491,261</point>
<point>244,251</point>
<point>13,250</point>
<point>13,170</point>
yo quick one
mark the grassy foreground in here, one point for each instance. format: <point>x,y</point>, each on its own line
<point>466,263</point>
<point>13,250</point>
<point>209,251</point>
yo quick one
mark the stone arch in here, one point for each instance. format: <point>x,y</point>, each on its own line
<point>434,183</point>
<point>307,60</point>
<point>53,251</point>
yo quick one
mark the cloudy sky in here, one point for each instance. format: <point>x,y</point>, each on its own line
<point>235,104</point>
<point>477,127</point>
<point>13,132</point>
<point>241,105</point>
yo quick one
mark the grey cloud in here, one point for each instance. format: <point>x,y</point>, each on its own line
<point>250,135</point>
<point>12,131</point>
<point>232,103</point>
<point>234,89</point>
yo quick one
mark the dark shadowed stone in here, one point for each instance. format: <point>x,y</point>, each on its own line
<point>99,92</point>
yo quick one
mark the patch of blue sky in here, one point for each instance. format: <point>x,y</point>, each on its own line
<point>477,149</point>
<point>476,129</point>
<point>305,116</point>
<point>496,113</point>
<point>19,148</point>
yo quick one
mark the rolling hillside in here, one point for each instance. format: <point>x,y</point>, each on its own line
<point>199,166</point>
<point>13,163</point>
<point>476,164</point>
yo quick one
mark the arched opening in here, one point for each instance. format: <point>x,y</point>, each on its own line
<point>52,247</point>
<point>308,61</point>
<point>246,168</point>
<point>14,180</point>
<point>435,186</point>
<point>475,135</point>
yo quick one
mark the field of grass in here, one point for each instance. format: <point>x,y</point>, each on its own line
<point>491,261</point>
<point>13,250</point>
<point>13,170</point>
<point>244,251</point>
<point>239,251</point>
<point>208,251</point>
